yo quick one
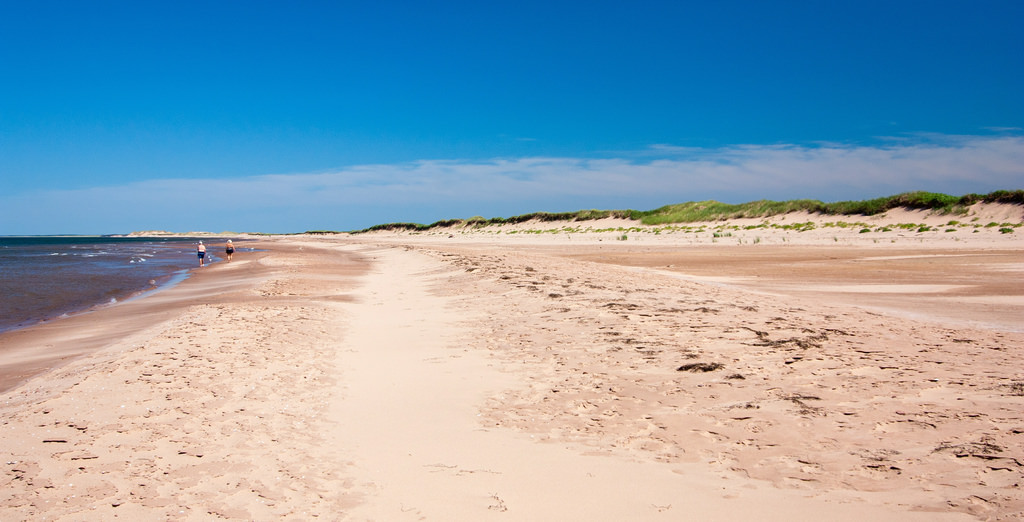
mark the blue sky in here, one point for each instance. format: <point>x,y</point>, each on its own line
<point>292,116</point>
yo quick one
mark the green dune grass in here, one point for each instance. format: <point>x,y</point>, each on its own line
<point>703,211</point>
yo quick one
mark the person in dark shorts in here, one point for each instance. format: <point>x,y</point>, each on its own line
<point>229,249</point>
<point>201,252</point>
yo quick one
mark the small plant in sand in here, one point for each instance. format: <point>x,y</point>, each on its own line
<point>623,237</point>
<point>1006,230</point>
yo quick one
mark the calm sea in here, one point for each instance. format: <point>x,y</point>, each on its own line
<point>43,278</point>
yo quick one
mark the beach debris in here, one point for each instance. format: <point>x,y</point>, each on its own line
<point>1017,388</point>
<point>627,306</point>
<point>700,367</point>
<point>805,409</point>
<point>499,504</point>
<point>800,397</point>
<point>812,341</point>
<point>981,449</point>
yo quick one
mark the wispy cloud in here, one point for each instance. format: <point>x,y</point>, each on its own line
<point>429,190</point>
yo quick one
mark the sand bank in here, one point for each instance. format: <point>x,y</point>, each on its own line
<point>399,377</point>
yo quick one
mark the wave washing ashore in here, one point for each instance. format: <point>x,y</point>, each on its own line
<point>46,277</point>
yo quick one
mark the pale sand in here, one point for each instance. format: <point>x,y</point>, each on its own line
<point>491,376</point>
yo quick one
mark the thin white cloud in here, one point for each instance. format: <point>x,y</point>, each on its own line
<point>429,190</point>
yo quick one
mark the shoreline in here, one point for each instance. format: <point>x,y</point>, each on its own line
<point>339,376</point>
<point>121,283</point>
<point>170,280</point>
<point>80,333</point>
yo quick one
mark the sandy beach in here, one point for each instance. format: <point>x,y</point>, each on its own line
<point>543,371</point>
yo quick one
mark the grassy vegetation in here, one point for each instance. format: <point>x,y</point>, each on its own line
<point>715,211</point>
<point>709,211</point>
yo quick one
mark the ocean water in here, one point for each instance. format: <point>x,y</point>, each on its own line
<point>44,278</point>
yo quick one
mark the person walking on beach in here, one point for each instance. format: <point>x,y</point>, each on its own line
<point>201,252</point>
<point>229,249</point>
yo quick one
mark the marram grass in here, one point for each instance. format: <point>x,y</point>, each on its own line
<point>708,211</point>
